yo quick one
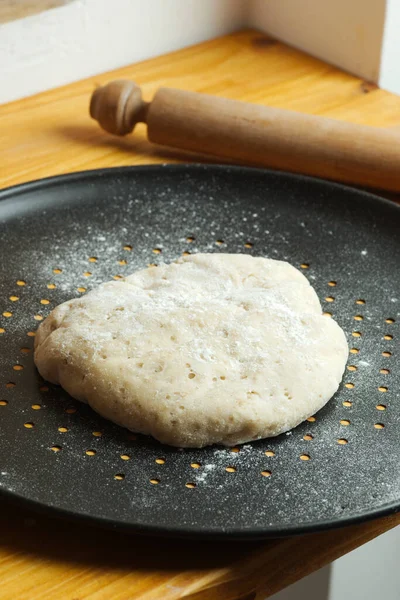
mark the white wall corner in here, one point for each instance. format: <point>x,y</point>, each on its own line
<point>359,36</point>
<point>86,37</point>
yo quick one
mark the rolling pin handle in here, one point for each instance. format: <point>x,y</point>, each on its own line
<point>118,106</point>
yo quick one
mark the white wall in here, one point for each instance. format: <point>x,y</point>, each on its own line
<point>79,38</point>
<point>86,37</point>
<point>360,36</point>
<point>369,573</point>
<point>347,33</point>
<point>389,77</point>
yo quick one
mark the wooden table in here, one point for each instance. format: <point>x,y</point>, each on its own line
<point>47,559</point>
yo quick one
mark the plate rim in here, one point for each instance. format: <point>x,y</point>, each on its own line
<point>33,184</point>
<point>187,532</point>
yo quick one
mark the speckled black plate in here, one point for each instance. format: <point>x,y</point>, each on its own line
<point>62,236</point>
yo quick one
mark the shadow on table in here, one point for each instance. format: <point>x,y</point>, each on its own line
<point>135,144</point>
<point>138,146</point>
<point>25,531</point>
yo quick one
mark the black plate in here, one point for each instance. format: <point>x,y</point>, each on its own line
<point>341,468</point>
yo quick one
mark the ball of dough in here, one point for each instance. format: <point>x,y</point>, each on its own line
<point>211,349</point>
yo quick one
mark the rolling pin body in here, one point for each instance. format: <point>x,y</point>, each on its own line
<point>256,135</point>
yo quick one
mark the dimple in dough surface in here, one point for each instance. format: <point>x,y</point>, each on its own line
<point>212,349</point>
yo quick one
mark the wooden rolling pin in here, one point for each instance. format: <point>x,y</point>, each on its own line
<point>252,134</point>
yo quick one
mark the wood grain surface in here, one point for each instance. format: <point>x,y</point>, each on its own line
<point>52,133</point>
<point>46,559</point>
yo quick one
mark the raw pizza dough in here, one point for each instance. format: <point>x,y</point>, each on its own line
<point>212,349</point>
